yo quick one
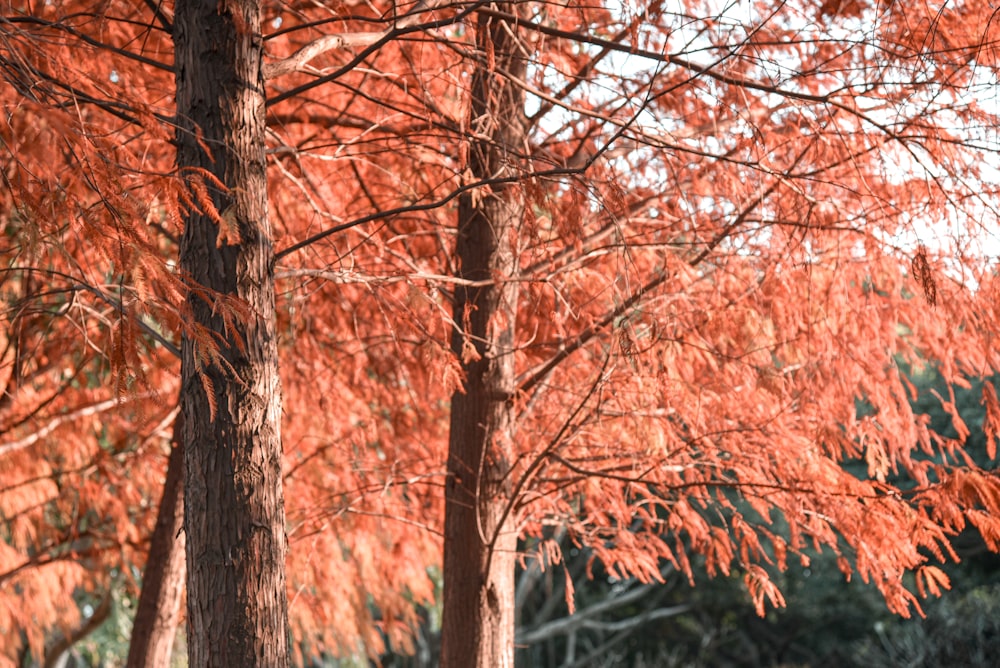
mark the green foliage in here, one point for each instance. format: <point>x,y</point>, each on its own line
<point>107,647</point>
<point>960,630</point>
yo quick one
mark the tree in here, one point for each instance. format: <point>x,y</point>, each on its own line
<point>706,376</point>
<point>726,240</point>
<point>205,138</point>
<point>85,376</point>
<point>480,537</point>
<point>234,514</point>
<point>158,612</point>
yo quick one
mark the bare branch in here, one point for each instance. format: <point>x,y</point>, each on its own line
<point>83,37</point>
<point>54,654</point>
<point>385,38</point>
<point>298,60</point>
<point>584,618</point>
<point>156,6</point>
<point>60,420</point>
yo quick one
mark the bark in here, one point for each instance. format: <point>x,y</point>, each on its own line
<point>480,539</point>
<point>230,396</point>
<point>159,609</point>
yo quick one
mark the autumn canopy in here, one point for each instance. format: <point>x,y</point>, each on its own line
<point>447,278</point>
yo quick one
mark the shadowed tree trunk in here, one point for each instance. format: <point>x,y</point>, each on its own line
<point>230,395</point>
<point>159,609</point>
<point>480,540</point>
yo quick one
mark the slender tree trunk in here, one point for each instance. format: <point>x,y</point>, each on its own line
<point>159,609</point>
<point>480,539</point>
<point>231,399</point>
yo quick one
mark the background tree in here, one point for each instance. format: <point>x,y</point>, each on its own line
<point>693,369</point>
<point>158,609</point>
<point>86,408</point>
<point>480,538</point>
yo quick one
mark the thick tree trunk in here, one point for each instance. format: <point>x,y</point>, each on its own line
<point>480,538</point>
<point>159,609</point>
<point>231,398</point>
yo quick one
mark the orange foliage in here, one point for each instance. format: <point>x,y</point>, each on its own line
<point>739,231</point>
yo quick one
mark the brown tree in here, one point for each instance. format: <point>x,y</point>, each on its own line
<point>158,612</point>
<point>480,537</point>
<point>234,515</point>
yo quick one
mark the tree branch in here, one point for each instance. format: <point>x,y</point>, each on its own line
<point>156,6</point>
<point>60,420</point>
<point>426,206</point>
<point>534,376</point>
<point>585,617</point>
<point>103,46</point>
<point>73,636</point>
<point>384,38</point>
<point>299,59</point>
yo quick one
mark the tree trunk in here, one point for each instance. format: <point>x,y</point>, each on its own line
<point>159,609</point>
<point>480,537</point>
<point>230,396</point>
